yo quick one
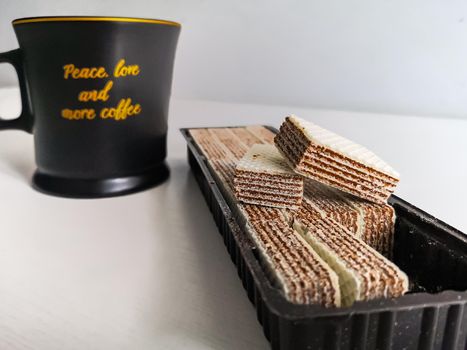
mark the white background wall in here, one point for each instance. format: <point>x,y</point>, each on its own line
<point>395,56</point>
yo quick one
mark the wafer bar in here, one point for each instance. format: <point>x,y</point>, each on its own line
<point>335,161</point>
<point>364,274</point>
<point>263,177</point>
<point>304,277</point>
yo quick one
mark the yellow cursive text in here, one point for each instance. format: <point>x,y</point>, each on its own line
<point>122,71</point>
<point>96,95</point>
<point>78,114</point>
<point>83,73</point>
<point>123,110</point>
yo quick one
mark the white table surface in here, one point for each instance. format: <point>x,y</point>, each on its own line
<point>148,270</point>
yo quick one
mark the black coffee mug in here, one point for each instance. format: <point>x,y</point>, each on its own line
<point>95,93</point>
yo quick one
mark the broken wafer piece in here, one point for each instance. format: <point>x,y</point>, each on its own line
<point>263,177</point>
<point>335,161</point>
<point>364,274</point>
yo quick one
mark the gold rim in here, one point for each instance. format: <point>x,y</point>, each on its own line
<point>95,19</point>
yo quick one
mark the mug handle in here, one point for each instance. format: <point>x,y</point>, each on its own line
<point>25,120</point>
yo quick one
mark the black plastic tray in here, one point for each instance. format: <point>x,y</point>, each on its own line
<point>431,316</point>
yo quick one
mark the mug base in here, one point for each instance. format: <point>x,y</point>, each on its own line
<point>99,188</point>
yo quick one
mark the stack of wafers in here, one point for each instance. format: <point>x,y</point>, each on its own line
<point>323,251</point>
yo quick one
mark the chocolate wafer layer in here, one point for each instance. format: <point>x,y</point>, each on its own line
<point>263,177</point>
<point>335,161</point>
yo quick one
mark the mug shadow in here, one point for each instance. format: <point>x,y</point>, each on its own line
<point>17,156</point>
<point>18,167</point>
<point>226,318</point>
<point>23,169</point>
